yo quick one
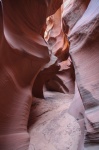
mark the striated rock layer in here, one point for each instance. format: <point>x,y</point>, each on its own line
<point>49,52</point>
<point>83,34</point>
<point>84,39</point>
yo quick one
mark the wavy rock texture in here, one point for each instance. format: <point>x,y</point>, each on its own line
<point>58,75</point>
<point>23,53</point>
<point>84,52</point>
<point>87,35</point>
<point>61,70</point>
<point>63,80</point>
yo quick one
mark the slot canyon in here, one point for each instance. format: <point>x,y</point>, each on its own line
<point>49,75</point>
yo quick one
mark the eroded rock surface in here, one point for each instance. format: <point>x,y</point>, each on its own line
<point>23,52</point>
<point>84,43</point>
<point>62,70</point>
<point>84,39</point>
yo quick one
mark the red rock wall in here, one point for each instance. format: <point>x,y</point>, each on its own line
<point>23,52</point>
<point>66,61</point>
<point>1,23</point>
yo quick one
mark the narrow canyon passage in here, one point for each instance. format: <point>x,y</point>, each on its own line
<point>49,75</point>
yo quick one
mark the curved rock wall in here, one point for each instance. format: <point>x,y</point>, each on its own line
<point>84,39</point>
<point>23,52</point>
<point>81,19</point>
<point>58,75</point>
<point>61,70</point>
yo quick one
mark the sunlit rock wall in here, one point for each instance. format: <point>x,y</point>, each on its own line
<point>59,75</point>
<point>58,43</point>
